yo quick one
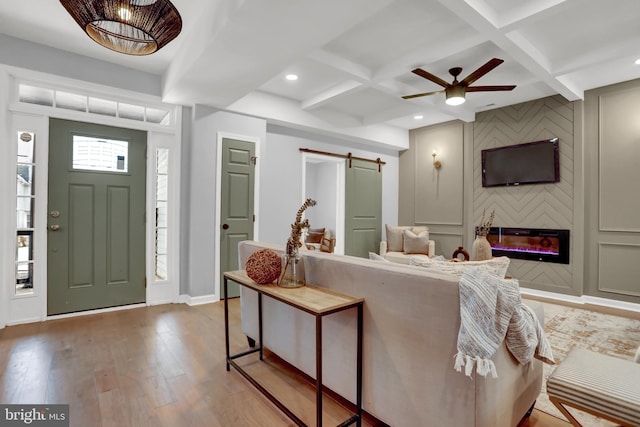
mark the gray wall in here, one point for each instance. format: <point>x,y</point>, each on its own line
<point>612,152</point>
<point>200,254</point>
<point>281,186</point>
<point>279,190</point>
<point>534,206</point>
<point>598,198</point>
<point>37,57</point>
<point>430,196</point>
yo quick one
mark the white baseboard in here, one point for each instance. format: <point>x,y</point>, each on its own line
<point>204,299</point>
<point>584,299</point>
<point>97,311</point>
<point>24,321</point>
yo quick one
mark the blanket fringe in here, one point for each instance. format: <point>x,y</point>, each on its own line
<point>483,366</point>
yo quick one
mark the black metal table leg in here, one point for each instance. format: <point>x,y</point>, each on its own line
<point>319,371</point>
<point>359,367</point>
<point>226,322</point>
<point>260,322</point>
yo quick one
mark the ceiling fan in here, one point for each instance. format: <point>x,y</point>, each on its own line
<point>455,91</point>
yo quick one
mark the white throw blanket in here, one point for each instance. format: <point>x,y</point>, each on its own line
<point>490,312</point>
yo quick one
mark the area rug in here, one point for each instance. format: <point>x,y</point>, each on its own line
<point>567,328</point>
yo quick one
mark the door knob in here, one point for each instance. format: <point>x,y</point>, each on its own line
<point>225,226</point>
<point>54,227</point>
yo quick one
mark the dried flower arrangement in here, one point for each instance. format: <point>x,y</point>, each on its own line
<point>483,229</point>
<point>295,241</point>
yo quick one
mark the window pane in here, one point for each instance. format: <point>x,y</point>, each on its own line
<point>24,212</point>
<point>162,195</point>
<point>158,116</point>
<point>161,267</point>
<point>24,248</point>
<point>71,101</point>
<point>163,161</point>
<point>100,154</point>
<point>24,278</point>
<point>161,190</point>
<point>35,95</point>
<point>25,147</point>
<point>24,180</point>
<point>103,106</point>
<point>133,112</point>
<point>161,215</point>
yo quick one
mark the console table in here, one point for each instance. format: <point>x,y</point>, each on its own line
<point>318,302</point>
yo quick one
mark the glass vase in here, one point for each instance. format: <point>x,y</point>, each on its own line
<point>292,275</point>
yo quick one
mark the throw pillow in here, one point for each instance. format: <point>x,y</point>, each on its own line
<point>496,266</point>
<point>416,243</point>
<point>315,235</point>
<point>395,240</point>
<point>375,257</point>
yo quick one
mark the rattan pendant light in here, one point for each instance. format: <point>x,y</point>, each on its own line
<point>134,27</point>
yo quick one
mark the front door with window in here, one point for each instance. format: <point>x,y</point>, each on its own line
<point>96,217</point>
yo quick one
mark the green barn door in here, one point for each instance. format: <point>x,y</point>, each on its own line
<point>236,207</point>
<point>363,210</point>
<point>96,217</point>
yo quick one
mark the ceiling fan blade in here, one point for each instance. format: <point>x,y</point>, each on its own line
<point>417,95</point>
<point>489,88</point>
<point>427,75</point>
<point>490,65</point>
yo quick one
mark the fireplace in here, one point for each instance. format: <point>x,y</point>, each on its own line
<point>535,244</point>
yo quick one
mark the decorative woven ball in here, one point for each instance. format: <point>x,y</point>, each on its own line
<point>263,266</point>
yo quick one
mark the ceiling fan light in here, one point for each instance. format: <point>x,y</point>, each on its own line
<point>455,95</point>
<point>455,100</point>
<point>134,27</point>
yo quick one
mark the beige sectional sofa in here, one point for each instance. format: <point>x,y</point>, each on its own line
<point>411,323</point>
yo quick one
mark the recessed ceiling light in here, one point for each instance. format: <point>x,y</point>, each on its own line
<point>417,117</point>
<point>291,77</point>
<point>638,61</point>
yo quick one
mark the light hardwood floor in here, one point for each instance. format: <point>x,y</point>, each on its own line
<point>156,366</point>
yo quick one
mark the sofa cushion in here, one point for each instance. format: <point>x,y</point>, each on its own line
<point>416,243</point>
<point>375,257</point>
<point>497,266</point>
<point>395,238</point>
<point>395,235</point>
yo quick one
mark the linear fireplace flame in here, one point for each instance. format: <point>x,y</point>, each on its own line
<point>536,244</point>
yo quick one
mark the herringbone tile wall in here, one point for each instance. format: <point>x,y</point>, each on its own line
<point>535,206</point>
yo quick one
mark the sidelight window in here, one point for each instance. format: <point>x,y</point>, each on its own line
<point>162,201</point>
<point>25,195</point>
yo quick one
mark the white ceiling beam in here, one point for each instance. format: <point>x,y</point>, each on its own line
<point>344,65</point>
<point>532,11</point>
<point>515,43</point>
<point>331,94</point>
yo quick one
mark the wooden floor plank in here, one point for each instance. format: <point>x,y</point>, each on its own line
<point>160,366</point>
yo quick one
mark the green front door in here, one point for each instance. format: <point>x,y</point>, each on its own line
<point>236,207</point>
<point>96,217</point>
<point>363,210</point>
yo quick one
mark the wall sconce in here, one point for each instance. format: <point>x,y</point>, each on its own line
<point>437,164</point>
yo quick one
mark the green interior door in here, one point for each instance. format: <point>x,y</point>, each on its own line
<point>96,216</point>
<point>363,208</point>
<point>236,208</point>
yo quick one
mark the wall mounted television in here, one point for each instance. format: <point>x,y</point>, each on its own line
<point>530,163</point>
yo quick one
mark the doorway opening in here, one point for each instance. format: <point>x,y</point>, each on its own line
<point>323,180</point>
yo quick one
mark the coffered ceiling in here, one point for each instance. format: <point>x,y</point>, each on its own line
<point>354,58</point>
